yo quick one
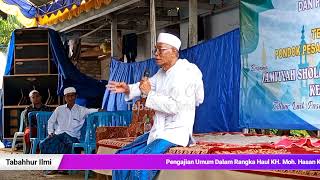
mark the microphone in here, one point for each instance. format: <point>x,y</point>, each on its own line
<point>146,75</point>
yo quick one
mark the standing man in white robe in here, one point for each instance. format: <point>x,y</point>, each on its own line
<point>173,93</point>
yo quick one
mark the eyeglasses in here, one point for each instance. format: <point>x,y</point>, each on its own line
<point>160,50</point>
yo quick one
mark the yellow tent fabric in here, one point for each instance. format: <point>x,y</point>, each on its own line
<point>15,11</point>
<point>53,18</point>
<point>75,11</point>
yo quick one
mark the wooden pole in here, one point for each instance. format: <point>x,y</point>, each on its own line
<point>193,22</point>
<point>152,23</point>
<point>114,36</point>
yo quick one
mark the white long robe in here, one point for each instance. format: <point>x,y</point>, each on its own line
<point>174,96</point>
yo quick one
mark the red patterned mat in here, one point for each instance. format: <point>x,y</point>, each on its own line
<point>120,142</point>
<point>288,145</point>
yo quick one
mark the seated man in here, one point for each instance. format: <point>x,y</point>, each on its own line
<point>67,120</point>
<point>173,93</point>
<point>36,105</point>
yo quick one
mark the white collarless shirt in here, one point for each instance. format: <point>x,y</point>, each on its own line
<point>174,95</point>
<point>70,121</point>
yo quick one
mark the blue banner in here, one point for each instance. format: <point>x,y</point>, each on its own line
<point>280,77</point>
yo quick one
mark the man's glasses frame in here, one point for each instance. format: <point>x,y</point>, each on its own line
<point>160,50</point>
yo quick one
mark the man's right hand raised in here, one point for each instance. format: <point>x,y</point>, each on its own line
<point>118,87</point>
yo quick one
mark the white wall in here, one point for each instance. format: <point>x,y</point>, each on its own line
<point>223,22</point>
<point>215,25</point>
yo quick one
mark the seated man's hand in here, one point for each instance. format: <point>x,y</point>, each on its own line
<point>145,86</point>
<point>118,87</point>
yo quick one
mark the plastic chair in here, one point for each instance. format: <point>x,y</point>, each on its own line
<point>82,137</point>
<point>19,134</point>
<point>121,118</point>
<point>88,131</point>
<point>116,118</point>
<point>42,129</point>
<point>81,141</point>
<point>98,119</point>
<point>33,139</point>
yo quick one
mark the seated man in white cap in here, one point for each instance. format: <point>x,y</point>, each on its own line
<point>173,93</point>
<point>64,125</point>
<point>36,105</point>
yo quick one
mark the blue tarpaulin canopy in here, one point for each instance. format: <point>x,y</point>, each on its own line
<point>26,8</point>
<point>31,11</point>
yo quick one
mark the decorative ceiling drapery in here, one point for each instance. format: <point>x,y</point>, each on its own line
<point>49,8</point>
<point>21,10</point>
<point>74,11</point>
<point>48,14</point>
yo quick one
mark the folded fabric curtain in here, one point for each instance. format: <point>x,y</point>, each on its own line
<point>129,73</point>
<point>10,54</point>
<point>87,88</point>
<point>219,61</point>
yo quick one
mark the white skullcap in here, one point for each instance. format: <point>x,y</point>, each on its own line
<point>32,92</point>
<point>169,39</point>
<point>69,90</point>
